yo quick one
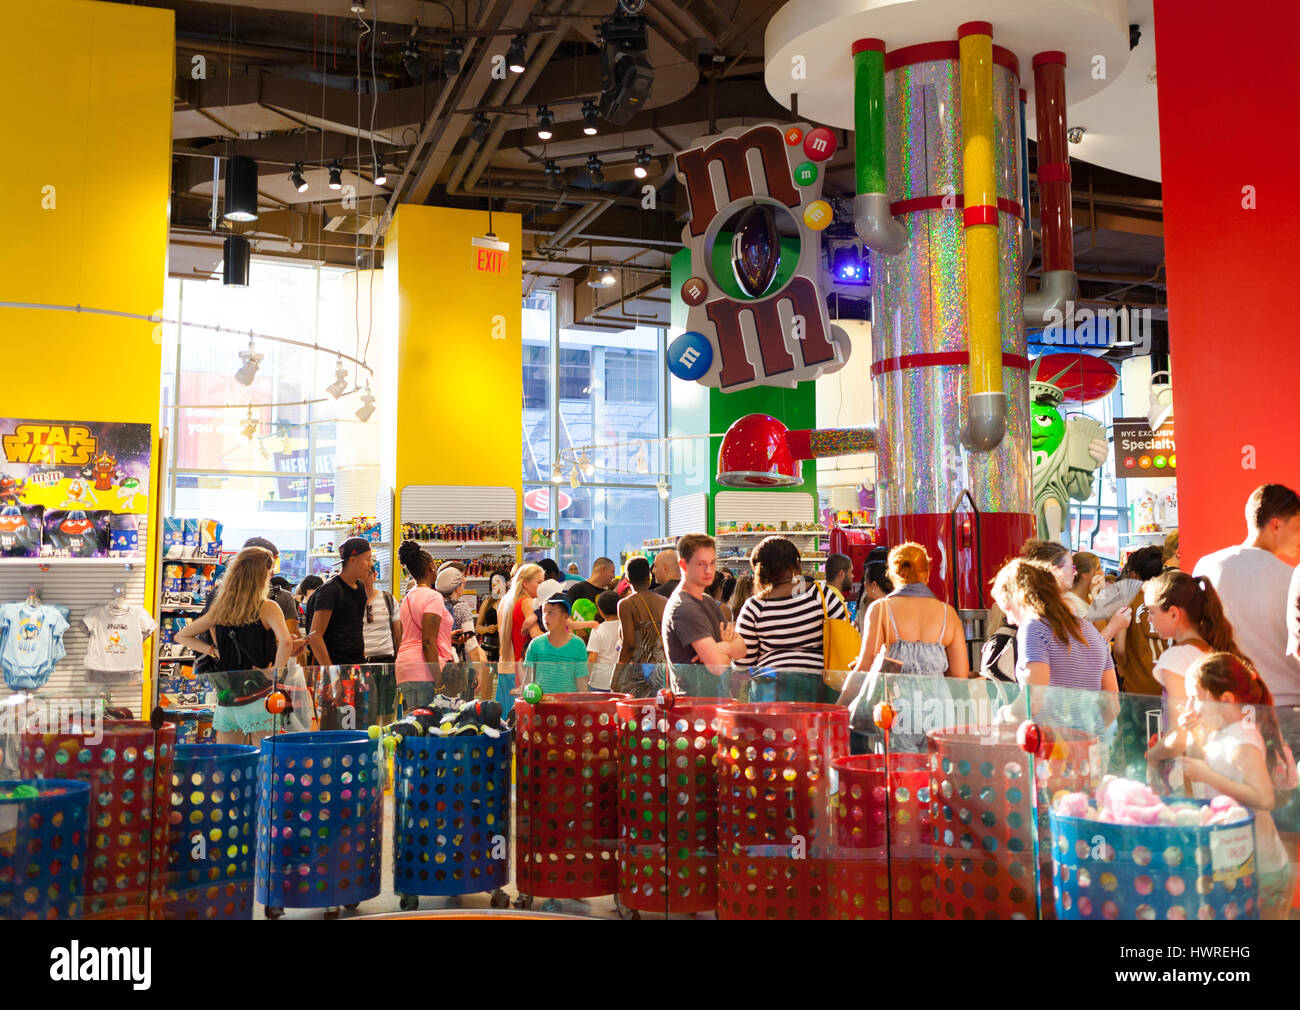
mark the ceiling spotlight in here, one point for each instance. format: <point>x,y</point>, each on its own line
<point>340,384</point>
<point>515,55</point>
<point>358,6</point>
<point>367,405</point>
<point>241,189</point>
<point>336,174</point>
<point>848,266</point>
<point>589,115</point>
<point>557,473</point>
<point>586,466</point>
<point>236,252</point>
<point>554,174</point>
<point>248,427</point>
<point>248,368</point>
<point>412,59</point>
<point>451,57</point>
<point>545,120</point>
<point>595,170</point>
<point>573,478</point>
<point>663,489</point>
<point>1075,134</point>
<point>642,162</point>
<point>297,179</point>
<point>381,173</point>
<point>642,462</point>
<point>479,132</point>
<point>607,278</point>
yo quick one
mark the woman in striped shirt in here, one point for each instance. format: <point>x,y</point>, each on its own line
<point>781,626</point>
<point>1056,649</point>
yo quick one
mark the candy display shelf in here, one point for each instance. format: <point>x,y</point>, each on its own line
<point>477,545</point>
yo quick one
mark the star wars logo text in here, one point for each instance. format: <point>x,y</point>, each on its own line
<point>51,444</point>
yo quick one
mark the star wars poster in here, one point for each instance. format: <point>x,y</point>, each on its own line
<point>73,488</point>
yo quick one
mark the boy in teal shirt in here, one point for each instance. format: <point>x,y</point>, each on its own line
<point>558,658</point>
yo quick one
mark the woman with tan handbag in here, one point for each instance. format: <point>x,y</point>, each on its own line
<point>640,669</point>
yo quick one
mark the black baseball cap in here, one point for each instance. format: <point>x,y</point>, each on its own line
<point>354,546</point>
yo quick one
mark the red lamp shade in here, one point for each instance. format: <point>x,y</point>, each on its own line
<point>756,453</point>
<point>1082,377</point>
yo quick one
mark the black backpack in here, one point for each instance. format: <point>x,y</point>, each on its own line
<point>998,656</point>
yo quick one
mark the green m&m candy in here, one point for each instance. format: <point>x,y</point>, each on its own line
<point>533,693</point>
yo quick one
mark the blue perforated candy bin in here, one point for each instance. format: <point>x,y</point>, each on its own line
<point>211,849</point>
<point>451,830</point>
<point>318,821</point>
<point>1123,871</point>
<point>42,848</point>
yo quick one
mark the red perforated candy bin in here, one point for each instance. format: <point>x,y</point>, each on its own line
<point>774,808</point>
<point>129,771</point>
<point>980,791</point>
<point>872,853</point>
<point>668,805</point>
<point>567,796</point>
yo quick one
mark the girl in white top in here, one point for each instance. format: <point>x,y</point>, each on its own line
<point>1186,609</point>
<point>1230,742</point>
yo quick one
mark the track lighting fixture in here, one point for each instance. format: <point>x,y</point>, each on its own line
<point>642,163</point>
<point>336,174</point>
<point>412,59</point>
<point>554,174</point>
<point>248,367</point>
<point>340,384</point>
<point>663,490</point>
<point>451,57</point>
<point>479,132</point>
<point>642,460</point>
<point>589,115</point>
<point>248,427</point>
<point>545,120</point>
<point>586,466</point>
<point>367,405</point>
<point>573,478</point>
<point>557,473</point>
<point>381,173</point>
<point>234,263</point>
<point>595,169</point>
<point>297,179</point>
<point>515,55</point>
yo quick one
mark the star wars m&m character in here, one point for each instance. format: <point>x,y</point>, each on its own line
<point>103,471</point>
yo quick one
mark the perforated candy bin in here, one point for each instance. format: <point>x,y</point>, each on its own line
<point>980,793</point>
<point>567,797</point>
<point>667,806</point>
<point>1125,871</point>
<point>451,827</point>
<point>775,842</point>
<point>128,766</point>
<point>42,848</point>
<point>318,821</point>
<point>212,850</point>
<point>884,870</point>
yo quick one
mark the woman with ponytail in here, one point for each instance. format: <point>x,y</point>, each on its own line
<point>1054,647</point>
<point>1230,744</point>
<point>519,620</point>
<point>1186,609</point>
<point>424,627</point>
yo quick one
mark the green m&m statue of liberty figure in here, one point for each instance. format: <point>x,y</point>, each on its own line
<point>1066,454</point>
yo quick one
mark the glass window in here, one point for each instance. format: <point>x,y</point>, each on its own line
<point>536,443</point>
<point>271,507</point>
<point>604,522</point>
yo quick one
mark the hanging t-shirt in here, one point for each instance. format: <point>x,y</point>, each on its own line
<point>115,652</point>
<point>31,643</point>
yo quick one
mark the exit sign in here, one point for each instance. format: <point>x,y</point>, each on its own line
<point>488,255</point>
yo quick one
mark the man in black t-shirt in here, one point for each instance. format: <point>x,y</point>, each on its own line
<point>602,574</point>
<point>338,608</point>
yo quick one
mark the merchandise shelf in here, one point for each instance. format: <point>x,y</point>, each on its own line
<point>769,533</point>
<point>127,563</point>
<point>478,545</point>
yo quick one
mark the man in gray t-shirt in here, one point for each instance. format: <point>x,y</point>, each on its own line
<point>694,635</point>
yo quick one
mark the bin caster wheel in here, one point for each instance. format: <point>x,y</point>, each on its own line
<point>551,905</point>
<point>500,899</point>
<point>409,902</point>
<point>272,912</point>
<point>332,912</point>
<point>352,907</point>
<point>524,901</point>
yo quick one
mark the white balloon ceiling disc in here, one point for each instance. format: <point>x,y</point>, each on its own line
<point>814,38</point>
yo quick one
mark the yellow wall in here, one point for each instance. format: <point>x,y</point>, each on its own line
<point>452,372</point>
<point>86,107</point>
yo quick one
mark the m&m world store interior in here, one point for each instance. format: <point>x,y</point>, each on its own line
<point>903,523</point>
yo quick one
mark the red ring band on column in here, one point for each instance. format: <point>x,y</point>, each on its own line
<point>1051,56</point>
<point>983,214</point>
<point>868,46</point>
<point>919,203</point>
<point>938,358</point>
<point>1057,171</point>
<point>975,28</point>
